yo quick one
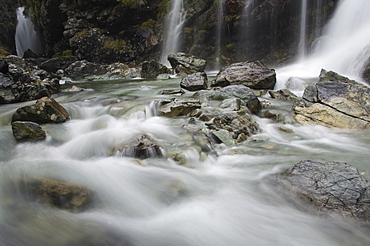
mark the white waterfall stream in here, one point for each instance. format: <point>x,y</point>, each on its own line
<point>302,32</point>
<point>344,46</point>
<point>25,36</point>
<point>173,29</point>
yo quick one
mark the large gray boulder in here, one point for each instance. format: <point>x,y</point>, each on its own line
<point>335,104</point>
<point>195,82</point>
<point>45,110</point>
<point>26,131</point>
<point>188,64</point>
<point>328,186</point>
<point>81,69</point>
<point>254,75</point>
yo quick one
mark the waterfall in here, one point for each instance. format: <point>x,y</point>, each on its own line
<point>220,22</point>
<point>302,33</point>
<point>344,46</point>
<point>173,29</point>
<point>25,35</point>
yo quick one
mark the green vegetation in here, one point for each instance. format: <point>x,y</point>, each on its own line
<point>66,53</point>
<point>119,45</point>
<point>3,52</point>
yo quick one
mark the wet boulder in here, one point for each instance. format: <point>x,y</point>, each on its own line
<point>81,69</point>
<point>26,131</point>
<point>328,186</point>
<point>188,64</point>
<point>59,194</point>
<point>195,82</point>
<point>45,110</point>
<point>141,146</point>
<point>254,75</point>
<point>335,104</point>
<point>366,72</point>
<point>151,69</point>
<point>178,107</point>
<point>239,127</point>
<point>54,64</point>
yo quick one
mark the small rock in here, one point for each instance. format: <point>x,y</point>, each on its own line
<point>45,110</point>
<point>26,131</point>
<point>179,107</point>
<point>283,94</point>
<point>195,82</point>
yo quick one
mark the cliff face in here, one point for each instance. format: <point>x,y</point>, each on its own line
<point>132,30</point>
<point>8,22</point>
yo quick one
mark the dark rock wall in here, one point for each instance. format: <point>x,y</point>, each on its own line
<point>106,31</point>
<point>8,22</point>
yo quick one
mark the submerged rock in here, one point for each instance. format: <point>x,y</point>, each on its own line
<point>45,110</point>
<point>188,64</point>
<point>24,131</point>
<point>329,186</point>
<point>195,82</point>
<point>335,104</point>
<point>254,75</point>
<point>59,194</point>
<point>141,146</point>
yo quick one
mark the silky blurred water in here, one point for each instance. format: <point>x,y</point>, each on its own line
<point>217,200</point>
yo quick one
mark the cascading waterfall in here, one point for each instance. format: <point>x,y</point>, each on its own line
<point>25,35</point>
<point>302,33</point>
<point>344,47</point>
<point>173,29</point>
<point>220,22</point>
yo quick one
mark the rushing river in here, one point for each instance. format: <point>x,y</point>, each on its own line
<point>216,200</point>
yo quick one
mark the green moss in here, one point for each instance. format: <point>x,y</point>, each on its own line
<point>133,4</point>
<point>3,52</point>
<point>228,46</point>
<point>119,45</point>
<point>149,24</point>
<point>66,53</point>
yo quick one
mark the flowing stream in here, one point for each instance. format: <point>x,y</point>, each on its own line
<point>213,200</point>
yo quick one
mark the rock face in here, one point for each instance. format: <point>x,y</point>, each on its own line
<point>254,75</point>
<point>26,131</point>
<point>151,69</point>
<point>366,72</point>
<point>44,111</point>
<point>329,186</point>
<point>176,107</point>
<point>188,64</point>
<point>59,194</point>
<point>335,104</point>
<point>195,82</point>
<point>140,146</point>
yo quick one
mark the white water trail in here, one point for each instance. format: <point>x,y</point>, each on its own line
<point>344,47</point>
<point>25,35</point>
<point>302,35</point>
<point>173,29</point>
<point>220,22</point>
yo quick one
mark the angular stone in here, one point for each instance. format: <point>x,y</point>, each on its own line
<point>81,69</point>
<point>179,107</point>
<point>24,131</point>
<point>45,110</point>
<point>188,64</point>
<point>195,82</point>
<point>335,104</point>
<point>283,94</point>
<point>254,75</point>
<point>329,186</point>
